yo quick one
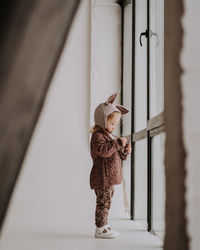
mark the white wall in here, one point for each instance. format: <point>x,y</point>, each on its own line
<point>53,188</point>
<point>105,52</point>
<point>106,67</point>
<point>191,103</point>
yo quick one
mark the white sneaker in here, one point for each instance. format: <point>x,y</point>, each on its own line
<point>106,232</point>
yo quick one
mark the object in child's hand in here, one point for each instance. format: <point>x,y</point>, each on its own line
<point>127,143</point>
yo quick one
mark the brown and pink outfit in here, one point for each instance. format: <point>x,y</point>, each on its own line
<point>107,155</point>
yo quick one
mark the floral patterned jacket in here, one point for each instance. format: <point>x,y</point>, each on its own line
<point>107,155</point>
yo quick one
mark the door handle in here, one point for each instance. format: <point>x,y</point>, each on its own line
<point>146,34</point>
<point>156,35</point>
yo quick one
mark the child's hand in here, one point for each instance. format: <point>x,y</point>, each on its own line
<point>128,149</point>
<point>124,141</point>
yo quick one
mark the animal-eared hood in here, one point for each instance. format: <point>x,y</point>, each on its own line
<point>106,108</point>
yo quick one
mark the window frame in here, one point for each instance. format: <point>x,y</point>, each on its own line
<point>154,126</point>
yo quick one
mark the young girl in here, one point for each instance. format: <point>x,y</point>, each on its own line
<point>106,154</point>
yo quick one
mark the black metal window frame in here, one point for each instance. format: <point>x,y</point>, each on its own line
<point>155,125</point>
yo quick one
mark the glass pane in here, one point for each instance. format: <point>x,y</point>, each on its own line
<point>127,68</point>
<point>127,87</point>
<point>158,184</point>
<point>141,181</point>
<point>156,57</point>
<point>140,66</point>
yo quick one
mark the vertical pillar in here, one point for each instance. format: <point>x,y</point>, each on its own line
<point>176,237</point>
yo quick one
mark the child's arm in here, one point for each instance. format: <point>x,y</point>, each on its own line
<point>102,147</point>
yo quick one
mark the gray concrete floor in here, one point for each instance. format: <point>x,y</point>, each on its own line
<point>79,237</point>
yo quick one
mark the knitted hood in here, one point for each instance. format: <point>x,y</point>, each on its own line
<point>104,109</point>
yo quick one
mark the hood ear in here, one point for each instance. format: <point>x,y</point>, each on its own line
<point>112,98</point>
<point>122,109</point>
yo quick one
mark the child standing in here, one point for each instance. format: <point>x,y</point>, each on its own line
<point>106,154</point>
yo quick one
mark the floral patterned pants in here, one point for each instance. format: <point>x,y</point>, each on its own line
<point>103,203</point>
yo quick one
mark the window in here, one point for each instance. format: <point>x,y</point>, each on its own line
<point>142,85</point>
